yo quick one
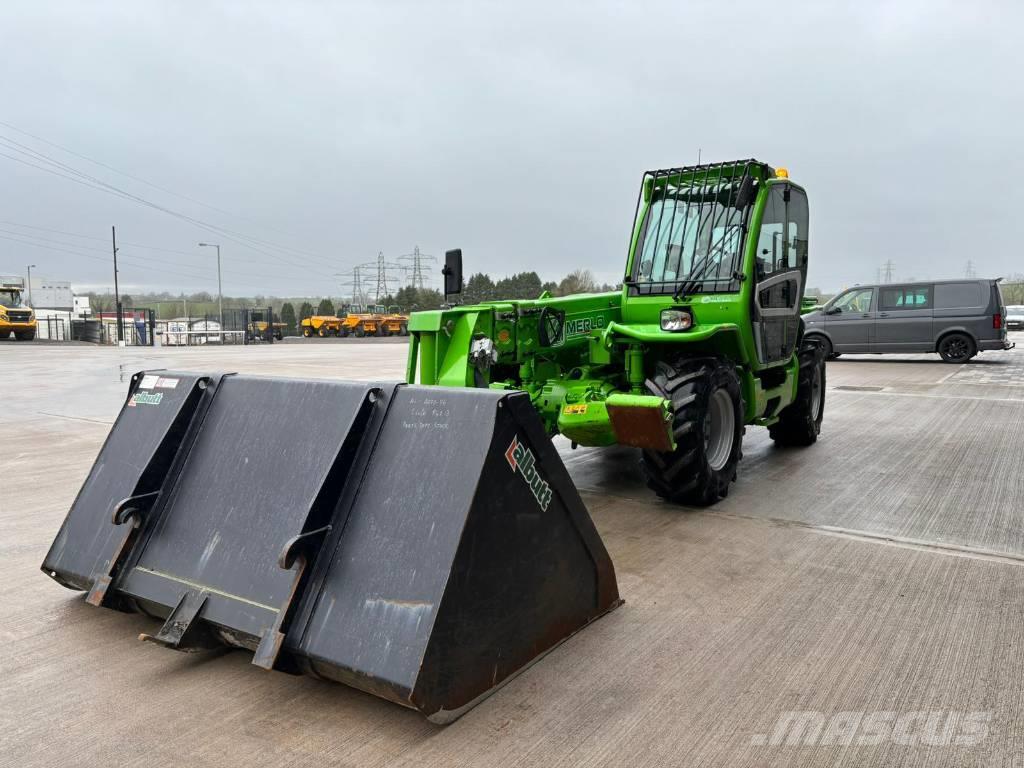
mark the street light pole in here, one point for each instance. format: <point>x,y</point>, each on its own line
<point>220,292</point>
<point>30,285</point>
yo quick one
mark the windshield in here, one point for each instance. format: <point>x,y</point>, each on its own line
<point>684,239</point>
<point>10,298</point>
<point>1015,309</point>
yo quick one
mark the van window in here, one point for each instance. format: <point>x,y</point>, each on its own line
<point>896,297</point>
<point>953,295</point>
<point>854,301</point>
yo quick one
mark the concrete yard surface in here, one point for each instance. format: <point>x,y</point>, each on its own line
<point>856,603</point>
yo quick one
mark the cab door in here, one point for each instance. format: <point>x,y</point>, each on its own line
<point>780,271</point>
<point>850,320</point>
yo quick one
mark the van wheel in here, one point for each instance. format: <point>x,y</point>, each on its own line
<point>957,348</point>
<point>826,346</point>
<point>707,424</point>
<point>800,422</point>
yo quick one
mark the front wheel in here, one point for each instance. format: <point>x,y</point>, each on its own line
<point>800,422</point>
<point>707,426</point>
<point>307,332</point>
<point>403,330</point>
<point>957,348</point>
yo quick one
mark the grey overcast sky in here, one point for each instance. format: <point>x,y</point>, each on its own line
<point>516,131</point>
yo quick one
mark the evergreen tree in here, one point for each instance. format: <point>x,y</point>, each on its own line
<point>306,310</point>
<point>480,287</point>
<point>288,316</point>
<point>325,307</point>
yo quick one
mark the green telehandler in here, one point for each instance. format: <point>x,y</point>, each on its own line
<point>704,337</point>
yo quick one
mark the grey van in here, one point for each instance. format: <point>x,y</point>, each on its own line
<point>956,318</point>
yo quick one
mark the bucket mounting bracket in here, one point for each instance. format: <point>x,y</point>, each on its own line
<point>181,631</point>
<point>132,510</point>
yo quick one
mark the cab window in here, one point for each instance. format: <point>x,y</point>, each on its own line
<point>854,301</point>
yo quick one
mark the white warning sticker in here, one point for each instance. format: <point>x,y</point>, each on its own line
<point>166,383</point>
<point>148,381</point>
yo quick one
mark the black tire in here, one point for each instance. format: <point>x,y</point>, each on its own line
<point>307,331</point>
<point>957,348</point>
<point>800,422</point>
<point>700,469</point>
<point>359,332</point>
<point>322,332</point>
<point>403,330</point>
<point>343,332</point>
<point>381,330</point>
<point>826,346</point>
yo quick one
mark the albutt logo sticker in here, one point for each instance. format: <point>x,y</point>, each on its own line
<point>521,458</point>
<point>145,398</point>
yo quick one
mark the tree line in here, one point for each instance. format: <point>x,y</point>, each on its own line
<point>291,310</point>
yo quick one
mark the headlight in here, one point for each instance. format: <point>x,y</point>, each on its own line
<point>676,320</point>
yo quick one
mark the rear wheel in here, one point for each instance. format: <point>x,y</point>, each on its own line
<point>800,421</point>
<point>707,426</point>
<point>359,332</point>
<point>322,332</point>
<point>343,332</point>
<point>381,330</point>
<point>403,330</point>
<point>957,348</point>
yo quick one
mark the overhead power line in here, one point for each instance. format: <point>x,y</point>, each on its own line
<point>63,170</point>
<point>139,179</point>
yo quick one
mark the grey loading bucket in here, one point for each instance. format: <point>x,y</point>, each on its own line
<point>423,544</point>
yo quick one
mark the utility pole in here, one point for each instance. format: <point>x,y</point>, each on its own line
<point>117,295</point>
<point>220,292</point>
<point>888,267</point>
<point>30,285</point>
<point>416,268</point>
<point>969,270</point>
<point>354,285</point>
<point>382,268</point>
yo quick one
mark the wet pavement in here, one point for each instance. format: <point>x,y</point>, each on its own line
<point>873,579</point>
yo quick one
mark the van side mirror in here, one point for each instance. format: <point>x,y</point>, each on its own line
<point>550,326</point>
<point>452,272</point>
<point>833,310</point>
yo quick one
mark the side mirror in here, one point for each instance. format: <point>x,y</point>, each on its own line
<point>746,193</point>
<point>550,326</point>
<point>452,272</point>
<point>833,310</point>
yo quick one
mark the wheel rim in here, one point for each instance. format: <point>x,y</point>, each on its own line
<point>956,348</point>
<point>719,429</point>
<point>816,394</point>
